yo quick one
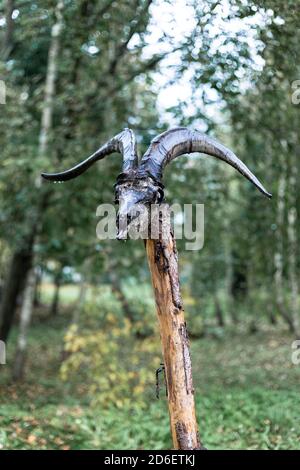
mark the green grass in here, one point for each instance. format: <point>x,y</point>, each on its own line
<point>68,293</point>
<point>247,394</point>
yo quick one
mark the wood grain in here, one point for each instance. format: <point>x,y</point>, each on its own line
<point>163,264</point>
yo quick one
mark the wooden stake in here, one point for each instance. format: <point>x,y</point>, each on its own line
<point>163,265</point>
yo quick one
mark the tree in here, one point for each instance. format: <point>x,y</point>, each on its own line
<point>81,114</point>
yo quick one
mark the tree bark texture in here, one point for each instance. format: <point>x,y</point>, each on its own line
<point>20,262</point>
<point>46,120</point>
<point>163,264</point>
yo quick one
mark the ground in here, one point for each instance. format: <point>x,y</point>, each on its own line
<point>247,394</point>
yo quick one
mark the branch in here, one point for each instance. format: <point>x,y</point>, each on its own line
<point>7,45</point>
<point>145,67</point>
<point>134,28</point>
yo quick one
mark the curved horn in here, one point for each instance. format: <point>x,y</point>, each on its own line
<point>123,143</point>
<point>170,144</point>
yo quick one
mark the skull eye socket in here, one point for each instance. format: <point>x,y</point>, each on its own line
<point>159,195</point>
<point>117,195</point>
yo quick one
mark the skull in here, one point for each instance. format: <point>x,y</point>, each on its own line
<point>134,196</point>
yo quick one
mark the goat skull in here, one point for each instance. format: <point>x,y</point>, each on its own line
<point>140,183</point>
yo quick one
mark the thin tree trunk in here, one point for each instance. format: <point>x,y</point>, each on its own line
<point>271,315</point>
<point>20,263</point>
<point>83,289</point>
<point>7,44</point>
<point>21,259</point>
<point>46,125</point>
<point>278,255</point>
<point>47,114</point>
<point>219,313</point>
<point>80,302</point>
<point>37,289</point>
<point>251,294</point>
<point>293,244</point>
<point>231,305</point>
<point>162,259</point>
<point>25,318</point>
<point>55,300</point>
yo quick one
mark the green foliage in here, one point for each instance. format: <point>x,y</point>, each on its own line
<point>96,95</point>
<point>246,393</point>
<point>113,364</point>
<point>104,84</point>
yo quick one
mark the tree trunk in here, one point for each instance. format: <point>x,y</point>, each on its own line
<point>25,318</point>
<point>219,313</point>
<point>293,245</point>
<point>46,125</point>
<point>231,305</point>
<point>83,290</point>
<point>162,259</point>
<point>239,281</point>
<point>47,114</point>
<point>251,299</point>
<point>20,264</point>
<point>80,302</point>
<point>55,299</point>
<point>271,315</point>
<point>7,44</point>
<point>278,255</point>
<point>37,288</point>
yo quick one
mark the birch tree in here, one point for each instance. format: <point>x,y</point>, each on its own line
<point>46,126</point>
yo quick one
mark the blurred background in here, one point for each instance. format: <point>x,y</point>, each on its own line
<point>76,313</point>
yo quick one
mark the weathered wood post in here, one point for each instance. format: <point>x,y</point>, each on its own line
<point>140,184</point>
<point>163,265</point>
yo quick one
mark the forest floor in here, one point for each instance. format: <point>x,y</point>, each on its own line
<point>247,393</point>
